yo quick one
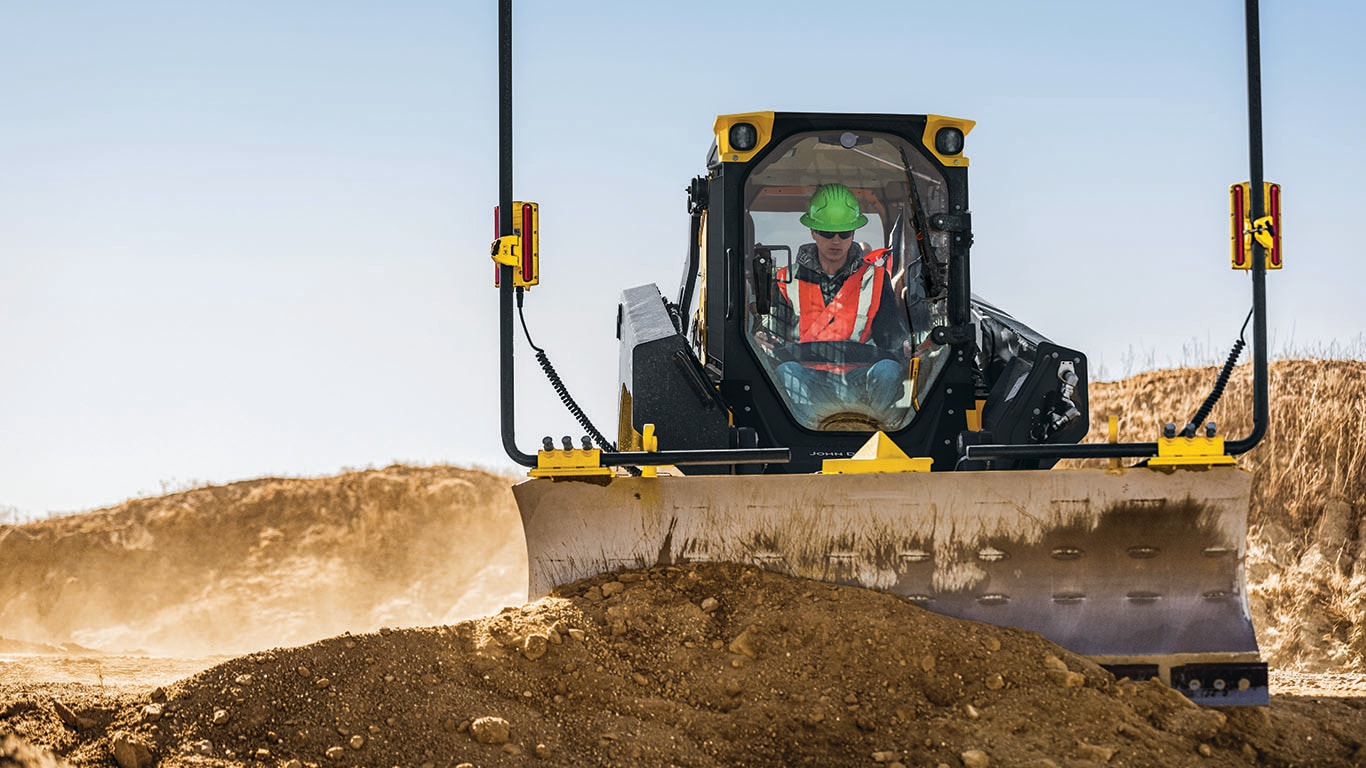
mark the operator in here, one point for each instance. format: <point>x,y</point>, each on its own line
<point>843,296</point>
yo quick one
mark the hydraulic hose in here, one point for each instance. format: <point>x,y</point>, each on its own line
<point>560,389</point>
<point>1219,384</point>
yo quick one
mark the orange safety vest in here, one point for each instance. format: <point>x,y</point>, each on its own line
<point>848,316</point>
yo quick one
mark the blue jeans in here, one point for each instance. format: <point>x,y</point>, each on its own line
<point>815,393</point>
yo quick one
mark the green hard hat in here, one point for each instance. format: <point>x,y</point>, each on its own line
<point>833,208</point>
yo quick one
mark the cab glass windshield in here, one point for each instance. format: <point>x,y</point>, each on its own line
<point>845,278</point>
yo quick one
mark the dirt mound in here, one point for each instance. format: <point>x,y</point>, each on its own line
<point>262,563</point>
<point>713,665</point>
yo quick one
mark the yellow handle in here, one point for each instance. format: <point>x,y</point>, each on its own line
<point>650,443</point>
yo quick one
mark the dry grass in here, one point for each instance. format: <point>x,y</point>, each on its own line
<point>1307,549</point>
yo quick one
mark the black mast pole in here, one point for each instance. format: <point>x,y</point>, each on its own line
<point>1261,411</point>
<point>505,214</point>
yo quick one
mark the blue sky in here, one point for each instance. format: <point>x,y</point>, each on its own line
<point>252,238</point>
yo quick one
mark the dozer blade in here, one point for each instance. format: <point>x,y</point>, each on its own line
<point>1139,569</point>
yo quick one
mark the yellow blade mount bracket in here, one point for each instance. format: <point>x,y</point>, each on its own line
<point>520,250</point>
<point>880,454</point>
<point>1267,229</point>
<point>1199,452</point>
<point>569,462</point>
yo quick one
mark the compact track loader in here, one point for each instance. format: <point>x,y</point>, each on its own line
<point>825,397</point>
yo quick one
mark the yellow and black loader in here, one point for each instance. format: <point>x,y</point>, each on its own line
<point>747,433</point>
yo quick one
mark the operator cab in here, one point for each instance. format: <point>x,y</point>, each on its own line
<point>827,297</point>
<point>824,380</point>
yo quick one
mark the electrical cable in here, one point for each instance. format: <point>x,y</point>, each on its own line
<point>560,389</point>
<point>1220,382</point>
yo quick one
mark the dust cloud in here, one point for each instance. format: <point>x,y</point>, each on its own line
<point>263,563</point>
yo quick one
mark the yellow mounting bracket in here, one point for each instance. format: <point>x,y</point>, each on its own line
<point>879,454</point>
<point>649,442</point>
<point>1190,453</point>
<point>505,250</point>
<point>915,382</point>
<point>575,462</point>
<point>1112,436</point>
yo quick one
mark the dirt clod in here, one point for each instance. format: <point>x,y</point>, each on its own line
<point>490,730</point>
<point>975,758</point>
<point>129,751</point>
<point>535,645</point>
<point>1095,752</point>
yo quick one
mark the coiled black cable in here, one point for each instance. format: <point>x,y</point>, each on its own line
<point>560,389</point>
<point>1219,383</point>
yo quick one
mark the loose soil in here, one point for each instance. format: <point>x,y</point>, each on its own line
<point>704,666</point>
